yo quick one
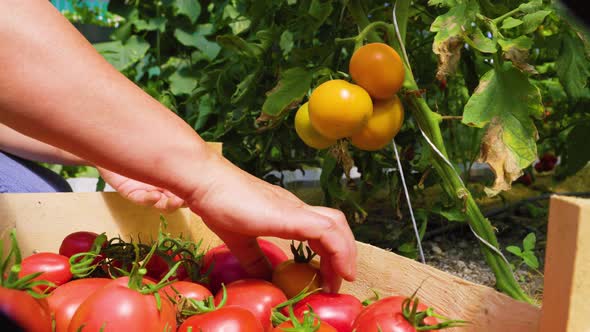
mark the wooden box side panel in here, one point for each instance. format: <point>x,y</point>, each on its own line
<point>567,266</point>
<point>42,220</point>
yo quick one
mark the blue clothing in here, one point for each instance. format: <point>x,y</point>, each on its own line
<point>18,175</point>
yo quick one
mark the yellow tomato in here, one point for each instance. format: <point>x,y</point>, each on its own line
<point>384,124</point>
<point>292,277</point>
<point>338,109</point>
<point>307,133</point>
<point>378,69</point>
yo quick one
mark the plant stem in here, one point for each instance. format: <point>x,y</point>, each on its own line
<point>505,16</point>
<point>429,123</point>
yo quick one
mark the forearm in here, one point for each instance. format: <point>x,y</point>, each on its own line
<point>17,144</point>
<point>58,89</point>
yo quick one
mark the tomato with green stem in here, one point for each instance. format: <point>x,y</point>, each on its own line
<point>234,319</point>
<point>401,314</point>
<point>18,300</point>
<point>54,268</point>
<point>294,275</point>
<point>127,304</point>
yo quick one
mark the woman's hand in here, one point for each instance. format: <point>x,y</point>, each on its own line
<point>142,193</point>
<point>239,207</point>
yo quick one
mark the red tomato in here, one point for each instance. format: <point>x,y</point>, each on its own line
<point>226,267</point>
<point>338,310</point>
<point>157,267</point>
<point>288,326</point>
<point>76,243</point>
<point>387,323</point>
<point>116,307</point>
<point>231,319</point>
<point>386,307</point>
<point>29,313</point>
<point>257,296</point>
<point>55,268</point>
<point>187,289</point>
<point>65,300</point>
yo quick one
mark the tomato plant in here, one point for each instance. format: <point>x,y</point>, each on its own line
<point>297,274</point>
<point>222,266</point>
<point>236,70</point>
<point>67,298</point>
<point>257,296</point>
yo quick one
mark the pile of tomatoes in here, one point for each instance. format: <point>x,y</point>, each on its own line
<point>369,113</point>
<point>88,286</point>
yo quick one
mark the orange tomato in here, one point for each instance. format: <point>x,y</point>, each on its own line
<point>378,69</point>
<point>383,125</point>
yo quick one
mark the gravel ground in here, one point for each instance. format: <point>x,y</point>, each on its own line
<point>463,258</point>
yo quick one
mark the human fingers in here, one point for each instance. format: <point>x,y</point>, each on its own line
<point>330,280</point>
<point>144,198</point>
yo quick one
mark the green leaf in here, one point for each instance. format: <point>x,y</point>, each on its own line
<point>446,3</point>
<point>505,101</point>
<point>573,67</point>
<point>156,23</point>
<point>529,242</point>
<point>286,42</point>
<point>533,20</point>
<point>453,23</point>
<point>182,81</point>
<point>197,40</point>
<point>206,108</point>
<point>577,148</point>
<point>239,45</point>
<point>510,23</point>
<point>188,8</point>
<point>242,89</point>
<point>452,215</point>
<point>122,56</point>
<point>292,87</point>
<point>531,6</point>
<point>320,10</point>
<point>522,42</point>
<point>514,250</point>
<point>482,43</point>
<point>530,259</point>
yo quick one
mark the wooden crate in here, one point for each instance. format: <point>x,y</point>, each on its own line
<point>42,220</point>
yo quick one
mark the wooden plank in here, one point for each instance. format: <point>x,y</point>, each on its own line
<point>567,266</point>
<point>42,220</point>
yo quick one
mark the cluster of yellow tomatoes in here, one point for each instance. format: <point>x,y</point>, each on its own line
<point>369,113</point>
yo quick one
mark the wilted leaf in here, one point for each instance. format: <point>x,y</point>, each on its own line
<point>449,30</point>
<point>573,67</point>
<point>188,8</point>
<point>122,56</point>
<point>510,23</point>
<point>516,50</point>
<point>505,101</point>
<point>292,87</point>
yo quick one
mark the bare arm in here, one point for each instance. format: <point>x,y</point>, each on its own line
<point>15,143</point>
<point>58,89</point>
